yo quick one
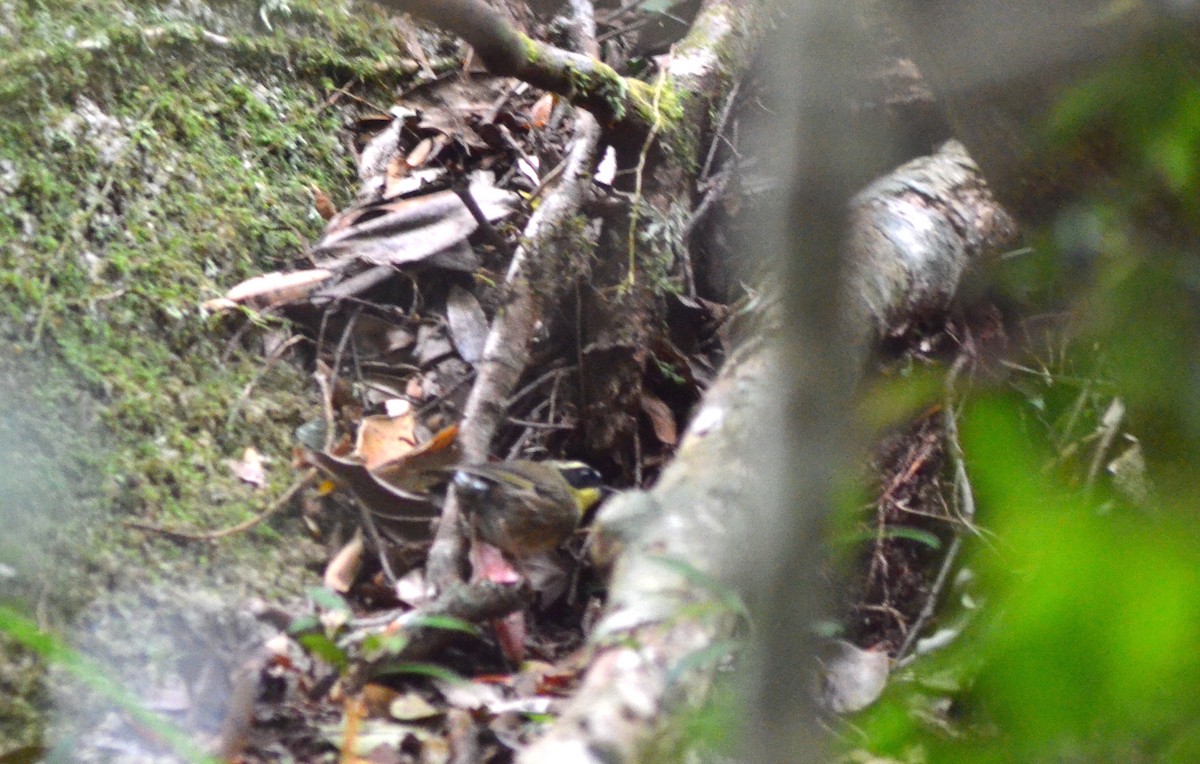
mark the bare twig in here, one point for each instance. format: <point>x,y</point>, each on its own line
<point>964,498</point>
<point>284,499</point>
<point>718,131</point>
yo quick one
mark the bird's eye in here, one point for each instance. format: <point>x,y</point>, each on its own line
<point>582,476</point>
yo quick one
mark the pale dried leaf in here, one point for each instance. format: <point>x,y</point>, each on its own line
<point>396,407</point>
<point>404,231</point>
<point>432,343</point>
<point>851,678</point>
<point>250,468</point>
<point>420,153</point>
<point>468,324</point>
<point>469,696</point>
<point>411,707</point>
<point>271,289</point>
<point>344,567</point>
<point>412,589</point>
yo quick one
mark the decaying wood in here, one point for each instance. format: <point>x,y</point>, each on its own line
<point>914,234</point>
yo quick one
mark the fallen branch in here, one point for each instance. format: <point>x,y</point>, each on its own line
<point>922,225</point>
<point>621,104</point>
<point>475,603</point>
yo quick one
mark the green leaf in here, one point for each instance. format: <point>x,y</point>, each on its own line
<point>316,643</point>
<point>328,599</point>
<point>444,622</point>
<point>895,532</point>
<point>418,669</point>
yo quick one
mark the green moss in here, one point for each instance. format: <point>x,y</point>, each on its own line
<point>646,96</point>
<point>149,161</point>
<point>533,51</point>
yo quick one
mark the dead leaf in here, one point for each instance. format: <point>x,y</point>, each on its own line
<point>511,633</point>
<point>325,208</point>
<point>271,289</point>
<point>377,698</point>
<point>539,115</point>
<point>420,153</point>
<point>249,468</point>
<point>469,696</point>
<point>343,568</point>
<point>432,344</point>
<point>411,707</point>
<point>660,416</point>
<point>432,228</point>
<point>468,324</point>
<point>420,468</point>
<point>384,439</point>
<point>412,590</point>
<point>395,407</point>
<point>397,170</point>
<point>387,502</point>
<point>851,678</point>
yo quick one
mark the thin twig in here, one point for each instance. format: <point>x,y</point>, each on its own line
<point>285,498</point>
<point>718,130</point>
<point>506,349</point>
<point>965,499</point>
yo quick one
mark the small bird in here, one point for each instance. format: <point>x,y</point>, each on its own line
<point>525,507</point>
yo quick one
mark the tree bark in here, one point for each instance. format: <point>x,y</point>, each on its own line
<point>914,234</point>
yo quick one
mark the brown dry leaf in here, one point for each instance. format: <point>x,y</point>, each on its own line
<point>325,208</point>
<point>432,228</point>
<point>343,568</point>
<point>378,697</point>
<point>660,416</point>
<point>249,468</point>
<point>383,439</point>
<point>512,633</point>
<point>412,510</point>
<point>468,324</point>
<point>539,115</point>
<point>421,467</point>
<point>271,289</point>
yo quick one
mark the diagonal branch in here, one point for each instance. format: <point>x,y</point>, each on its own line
<point>621,105</point>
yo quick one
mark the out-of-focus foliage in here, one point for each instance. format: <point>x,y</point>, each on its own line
<point>1085,647</point>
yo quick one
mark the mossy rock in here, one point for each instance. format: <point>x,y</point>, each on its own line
<point>151,156</point>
